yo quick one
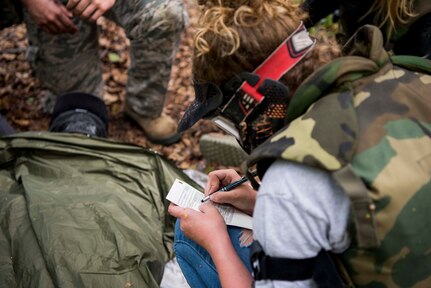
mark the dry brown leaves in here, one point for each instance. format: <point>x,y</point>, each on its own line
<point>20,92</point>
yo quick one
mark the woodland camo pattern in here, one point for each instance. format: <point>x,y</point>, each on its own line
<point>364,110</point>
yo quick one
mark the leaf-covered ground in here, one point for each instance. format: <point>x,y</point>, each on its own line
<point>21,93</point>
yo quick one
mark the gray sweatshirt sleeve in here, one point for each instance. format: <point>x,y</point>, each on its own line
<point>299,211</point>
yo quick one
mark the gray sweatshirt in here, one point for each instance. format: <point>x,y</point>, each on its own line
<point>299,211</point>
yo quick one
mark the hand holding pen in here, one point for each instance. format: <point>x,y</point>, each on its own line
<point>230,186</point>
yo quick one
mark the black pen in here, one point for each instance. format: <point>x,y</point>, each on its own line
<point>230,186</point>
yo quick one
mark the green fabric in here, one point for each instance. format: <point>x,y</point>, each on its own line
<point>83,212</point>
<point>380,124</point>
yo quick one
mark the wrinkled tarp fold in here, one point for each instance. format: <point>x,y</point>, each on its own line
<point>83,212</point>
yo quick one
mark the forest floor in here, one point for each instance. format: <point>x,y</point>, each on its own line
<point>21,93</point>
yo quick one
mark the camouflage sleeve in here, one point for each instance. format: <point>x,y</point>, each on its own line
<point>10,13</point>
<point>324,137</point>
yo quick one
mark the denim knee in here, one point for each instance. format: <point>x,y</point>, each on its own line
<point>194,261</point>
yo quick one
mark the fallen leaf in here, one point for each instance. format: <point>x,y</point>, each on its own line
<point>113,57</point>
<point>22,122</point>
<point>109,98</point>
<point>29,100</point>
<point>119,77</point>
<point>8,56</point>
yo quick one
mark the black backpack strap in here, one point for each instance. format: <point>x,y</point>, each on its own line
<point>320,268</point>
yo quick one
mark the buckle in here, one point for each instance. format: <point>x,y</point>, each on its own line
<point>257,259</point>
<point>282,269</point>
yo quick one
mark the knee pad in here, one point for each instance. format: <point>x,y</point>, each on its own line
<point>80,113</point>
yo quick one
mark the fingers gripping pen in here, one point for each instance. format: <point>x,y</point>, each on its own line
<point>230,186</point>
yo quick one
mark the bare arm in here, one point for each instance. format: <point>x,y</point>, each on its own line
<point>208,229</point>
<point>231,271</point>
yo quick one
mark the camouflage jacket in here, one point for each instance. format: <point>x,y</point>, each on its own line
<point>10,13</point>
<point>366,118</point>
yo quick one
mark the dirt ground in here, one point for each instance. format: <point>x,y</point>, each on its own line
<point>21,93</point>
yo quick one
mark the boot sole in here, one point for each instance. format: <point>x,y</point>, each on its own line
<point>166,141</point>
<point>222,149</point>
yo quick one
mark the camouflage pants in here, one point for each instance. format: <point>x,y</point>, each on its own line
<point>65,63</point>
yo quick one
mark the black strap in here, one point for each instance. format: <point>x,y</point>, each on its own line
<point>274,268</point>
<point>325,271</point>
<point>320,268</point>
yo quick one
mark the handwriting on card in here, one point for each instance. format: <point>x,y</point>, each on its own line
<point>184,195</point>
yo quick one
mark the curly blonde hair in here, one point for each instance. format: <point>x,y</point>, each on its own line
<point>237,36</point>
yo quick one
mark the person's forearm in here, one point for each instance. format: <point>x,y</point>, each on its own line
<point>231,270</point>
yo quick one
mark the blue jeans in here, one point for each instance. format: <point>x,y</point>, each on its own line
<point>196,263</point>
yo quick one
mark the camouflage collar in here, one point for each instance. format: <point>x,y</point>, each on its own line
<point>364,55</point>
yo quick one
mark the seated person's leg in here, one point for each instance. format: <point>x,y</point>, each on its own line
<point>196,263</point>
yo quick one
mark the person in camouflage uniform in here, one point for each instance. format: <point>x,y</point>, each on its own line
<point>349,172</point>
<point>63,51</point>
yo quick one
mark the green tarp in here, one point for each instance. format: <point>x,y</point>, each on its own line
<point>83,212</point>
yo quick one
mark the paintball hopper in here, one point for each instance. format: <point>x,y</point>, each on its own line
<point>80,113</point>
